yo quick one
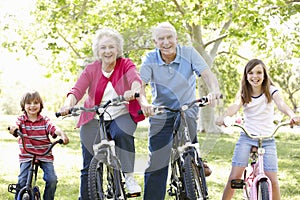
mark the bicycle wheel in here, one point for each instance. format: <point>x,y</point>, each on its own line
<point>104,182</point>
<point>194,179</point>
<point>36,193</point>
<point>263,191</point>
<point>176,188</point>
<point>24,195</point>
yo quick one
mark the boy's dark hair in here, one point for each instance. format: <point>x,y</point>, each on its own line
<point>29,97</point>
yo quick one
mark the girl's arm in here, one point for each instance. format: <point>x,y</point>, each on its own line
<point>284,108</point>
<point>231,110</point>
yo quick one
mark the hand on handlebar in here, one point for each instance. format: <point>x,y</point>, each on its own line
<point>228,121</point>
<point>130,95</point>
<point>64,138</point>
<point>295,121</point>
<point>213,98</point>
<point>147,110</point>
<point>12,130</point>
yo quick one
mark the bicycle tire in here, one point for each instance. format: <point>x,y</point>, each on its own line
<point>24,195</point>
<point>194,180</point>
<point>176,189</point>
<point>263,190</point>
<point>36,193</point>
<point>104,182</point>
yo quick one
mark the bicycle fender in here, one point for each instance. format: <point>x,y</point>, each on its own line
<point>105,155</point>
<point>254,189</point>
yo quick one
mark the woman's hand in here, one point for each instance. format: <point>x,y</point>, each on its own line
<point>129,95</point>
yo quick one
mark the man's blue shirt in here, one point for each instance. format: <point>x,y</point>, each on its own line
<point>173,84</point>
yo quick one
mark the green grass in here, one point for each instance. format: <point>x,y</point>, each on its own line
<point>216,149</point>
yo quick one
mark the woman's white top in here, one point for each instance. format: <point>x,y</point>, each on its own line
<point>109,93</point>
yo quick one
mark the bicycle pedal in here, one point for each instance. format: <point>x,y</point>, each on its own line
<point>13,188</point>
<point>237,184</point>
<point>171,192</point>
<point>133,195</point>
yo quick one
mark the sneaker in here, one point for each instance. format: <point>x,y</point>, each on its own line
<point>131,185</point>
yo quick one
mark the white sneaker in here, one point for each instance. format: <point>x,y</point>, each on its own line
<point>131,184</point>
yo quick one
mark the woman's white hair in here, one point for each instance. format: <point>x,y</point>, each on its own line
<point>163,25</point>
<point>113,34</point>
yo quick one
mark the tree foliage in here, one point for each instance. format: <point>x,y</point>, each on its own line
<point>61,35</point>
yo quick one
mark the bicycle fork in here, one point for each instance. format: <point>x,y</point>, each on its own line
<point>253,175</point>
<point>259,175</point>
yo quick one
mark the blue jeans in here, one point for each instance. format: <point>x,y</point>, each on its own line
<point>49,177</point>
<point>121,131</point>
<point>242,151</point>
<point>160,144</point>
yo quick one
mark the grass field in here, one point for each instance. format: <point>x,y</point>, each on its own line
<point>216,149</point>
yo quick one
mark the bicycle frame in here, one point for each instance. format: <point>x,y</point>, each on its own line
<point>251,181</point>
<point>105,158</point>
<point>30,189</point>
<point>187,179</point>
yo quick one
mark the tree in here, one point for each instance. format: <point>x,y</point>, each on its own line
<point>63,31</point>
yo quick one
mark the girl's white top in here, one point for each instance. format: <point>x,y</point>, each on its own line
<point>259,115</point>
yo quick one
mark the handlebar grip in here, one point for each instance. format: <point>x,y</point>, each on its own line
<point>15,134</point>
<point>60,141</point>
<point>58,114</point>
<point>136,95</point>
<point>140,112</point>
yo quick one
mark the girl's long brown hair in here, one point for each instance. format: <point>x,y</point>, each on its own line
<point>246,89</point>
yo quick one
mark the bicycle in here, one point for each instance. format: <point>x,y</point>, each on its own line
<point>105,175</point>
<point>255,184</point>
<point>187,180</point>
<point>30,191</point>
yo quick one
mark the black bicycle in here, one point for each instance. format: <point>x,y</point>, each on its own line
<point>187,180</point>
<point>105,173</point>
<point>30,191</point>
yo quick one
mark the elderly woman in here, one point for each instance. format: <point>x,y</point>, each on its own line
<point>109,76</point>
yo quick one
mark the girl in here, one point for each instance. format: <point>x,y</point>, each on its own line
<point>256,96</point>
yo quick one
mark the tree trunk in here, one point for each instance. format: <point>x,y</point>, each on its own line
<point>206,119</point>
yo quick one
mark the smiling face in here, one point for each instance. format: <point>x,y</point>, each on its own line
<point>108,51</point>
<point>256,76</point>
<point>166,41</point>
<point>32,108</point>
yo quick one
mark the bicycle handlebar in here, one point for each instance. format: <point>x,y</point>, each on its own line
<point>17,133</point>
<point>161,109</point>
<point>229,121</point>
<point>98,109</point>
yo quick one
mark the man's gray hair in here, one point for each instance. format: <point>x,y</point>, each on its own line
<point>163,25</point>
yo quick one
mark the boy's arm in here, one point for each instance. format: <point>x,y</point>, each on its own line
<point>62,135</point>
